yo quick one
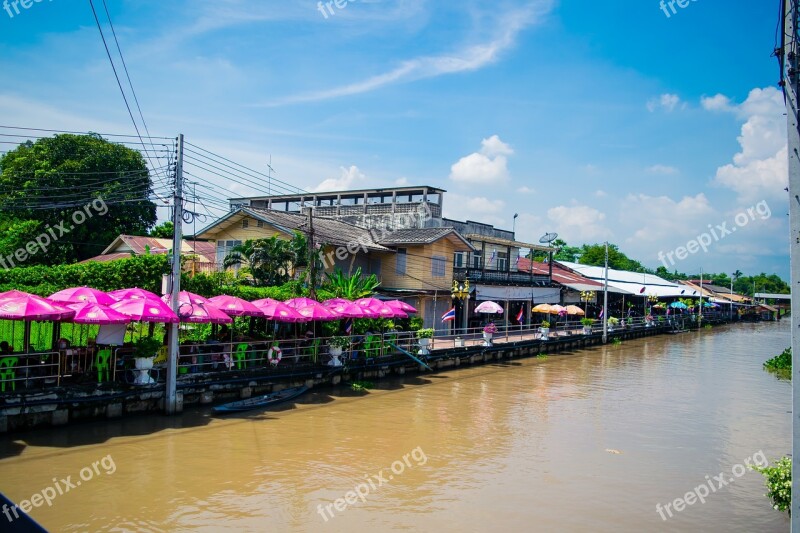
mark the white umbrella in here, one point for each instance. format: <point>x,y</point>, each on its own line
<point>489,307</point>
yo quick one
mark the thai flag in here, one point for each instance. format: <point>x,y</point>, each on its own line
<point>491,259</point>
<point>348,326</point>
<point>520,314</point>
<point>449,316</point>
<point>602,312</point>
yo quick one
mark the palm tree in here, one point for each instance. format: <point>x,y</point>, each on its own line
<point>736,275</point>
<point>351,287</point>
<point>268,260</point>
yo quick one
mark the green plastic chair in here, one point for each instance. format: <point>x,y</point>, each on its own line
<point>313,350</point>
<point>8,372</point>
<point>372,346</point>
<point>241,356</point>
<point>101,363</point>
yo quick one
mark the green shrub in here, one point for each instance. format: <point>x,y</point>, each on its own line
<point>779,482</point>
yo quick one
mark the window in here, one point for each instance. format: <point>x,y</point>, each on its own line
<point>224,248</point>
<point>458,260</point>
<point>438,266</point>
<point>245,223</point>
<point>476,260</point>
<point>400,262</point>
<point>259,223</point>
<point>502,261</point>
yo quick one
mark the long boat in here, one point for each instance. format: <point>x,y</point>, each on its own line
<point>266,400</point>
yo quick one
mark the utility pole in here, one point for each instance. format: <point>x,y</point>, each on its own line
<point>312,260</point>
<point>171,398</point>
<point>700,313</point>
<point>791,85</point>
<point>605,300</point>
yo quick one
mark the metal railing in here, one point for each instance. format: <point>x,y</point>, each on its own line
<point>73,365</point>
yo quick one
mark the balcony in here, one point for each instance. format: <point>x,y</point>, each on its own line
<point>494,277</point>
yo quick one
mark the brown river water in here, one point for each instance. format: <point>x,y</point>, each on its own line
<point>587,441</point>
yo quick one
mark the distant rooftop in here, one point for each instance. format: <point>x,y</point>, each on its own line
<point>327,196</point>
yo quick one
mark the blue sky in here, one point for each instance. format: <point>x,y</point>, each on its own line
<point>597,120</point>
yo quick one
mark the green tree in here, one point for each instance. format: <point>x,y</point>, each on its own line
<point>52,180</point>
<point>163,231</point>
<point>595,254</point>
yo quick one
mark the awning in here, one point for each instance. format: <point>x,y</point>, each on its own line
<point>580,287</point>
<point>499,294</point>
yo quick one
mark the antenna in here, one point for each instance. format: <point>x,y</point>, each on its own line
<point>547,238</point>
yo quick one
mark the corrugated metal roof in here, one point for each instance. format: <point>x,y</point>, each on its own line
<point>633,282</point>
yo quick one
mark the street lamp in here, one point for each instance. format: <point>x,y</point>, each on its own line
<point>586,297</point>
<point>514,225</point>
<point>461,292</point>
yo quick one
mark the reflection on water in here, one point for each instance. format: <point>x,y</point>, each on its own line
<point>510,447</point>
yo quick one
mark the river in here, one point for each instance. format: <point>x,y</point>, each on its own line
<point>587,441</point>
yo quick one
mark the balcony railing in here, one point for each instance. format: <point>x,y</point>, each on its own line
<point>494,277</point>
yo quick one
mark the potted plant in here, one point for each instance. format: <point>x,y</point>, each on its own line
<point>613,322</point>
<point>144,351</point>
<point>488,332</point>
<point>336,347</point>
<point>587,325</point>
<point>424,336</point>
<point>544,329</point>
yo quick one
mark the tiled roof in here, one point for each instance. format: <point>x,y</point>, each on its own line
<point>415,235</point>
<point>326,230</point>
<point>140,245</point>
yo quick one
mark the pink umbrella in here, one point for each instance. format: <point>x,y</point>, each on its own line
<point>336,301</point>
<point>133,294</point>
<point>186,297</point>
<point>297,303</point>
<point>279,311</point>
<point>489,307</point>
<point>30,307</point>
<point>351,310</point>
<point>380,308</point>
<point>318,312</point>
<point>146,310</point>
<point>199,313</point>
<point>236,306</point>
<point>401,305</point>
<point>93,313</point>
<point>82,294</point>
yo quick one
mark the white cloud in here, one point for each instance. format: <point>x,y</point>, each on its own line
<point>350,178</point>
<point>668,102</point>
<point>662,170</point>
<point>578,224</point>
<point>488,166</point>
<point>526,190</point>
<point>600,193</point>
<point>760,169</point>
<point>472,57</point>
<point>718,102</point>
<point>401,182</point>
<point>480,208</point>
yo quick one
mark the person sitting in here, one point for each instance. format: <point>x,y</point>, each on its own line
<point>5,349</point>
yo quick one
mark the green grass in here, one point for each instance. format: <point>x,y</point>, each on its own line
<point>781,365</point>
